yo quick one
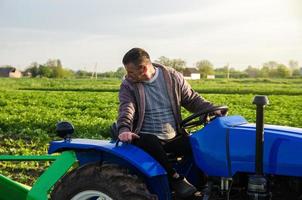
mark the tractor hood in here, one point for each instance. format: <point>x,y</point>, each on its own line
<point>228,146</point>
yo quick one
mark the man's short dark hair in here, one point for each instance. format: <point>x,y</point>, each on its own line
<point>135,56</point>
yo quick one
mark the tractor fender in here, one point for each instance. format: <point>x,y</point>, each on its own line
<point>89,150</point>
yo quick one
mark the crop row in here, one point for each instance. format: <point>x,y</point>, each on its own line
<point>221,86</point>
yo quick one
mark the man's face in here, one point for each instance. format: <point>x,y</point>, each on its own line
<point>137,73</point>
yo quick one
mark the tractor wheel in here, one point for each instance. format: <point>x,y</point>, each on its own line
<point>96,181</point>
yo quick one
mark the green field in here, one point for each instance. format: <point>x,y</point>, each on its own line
<point>30,108</point>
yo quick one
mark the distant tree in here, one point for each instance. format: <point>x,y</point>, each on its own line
<point>58,72</point>
<point>33,69</point>
<point>271,64</point>
<point>178,64</point>
<point>51,69</point>
<point>120,72</point>
<point>293,64</point>
<point>297,72</point>
<point>82,73</point>
<point>233,73</point>
<point>110,74</point>
<point>265,72</point>
<point>53,63</point>
<point>221,72</point>
<point>163,60</point>
<point>205,68</point>
<point>45,71</point>
<point>252,72</point>
<point>273,69</point>
<point>282,71</point>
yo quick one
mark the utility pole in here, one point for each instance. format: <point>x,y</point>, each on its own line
<point>228,70</point>
<point>95,72</point>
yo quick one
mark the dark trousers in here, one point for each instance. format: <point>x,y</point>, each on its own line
<point>158,149</point>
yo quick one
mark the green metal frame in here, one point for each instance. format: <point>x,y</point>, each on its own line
<point>11,190</point>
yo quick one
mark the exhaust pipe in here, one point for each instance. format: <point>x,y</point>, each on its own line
<point>258,184</point>
<point>261,102</point>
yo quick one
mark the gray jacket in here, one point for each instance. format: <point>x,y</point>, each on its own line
<point>132,100</point>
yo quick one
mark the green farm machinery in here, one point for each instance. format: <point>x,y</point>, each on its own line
<point>12,190</point>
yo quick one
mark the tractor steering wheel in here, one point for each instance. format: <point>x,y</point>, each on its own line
<point>204,116</point>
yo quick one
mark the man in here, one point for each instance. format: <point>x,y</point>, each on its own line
<point>151,96</point>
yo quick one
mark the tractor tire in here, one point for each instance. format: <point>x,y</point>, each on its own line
<point>96,181</point>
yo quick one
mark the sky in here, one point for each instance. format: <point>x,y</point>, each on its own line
<point>83,34</point>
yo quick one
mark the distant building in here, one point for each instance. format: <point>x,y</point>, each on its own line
<point>191,74</point>
<point>210,76</point>
<point>10,72</point>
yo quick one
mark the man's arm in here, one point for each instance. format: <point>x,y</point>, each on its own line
<point>126,115</point>
<point>126,110</point>
<point>189,98</point>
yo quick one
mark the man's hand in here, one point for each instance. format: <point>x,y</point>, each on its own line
<point>220,113</point>
<point>127,136</point>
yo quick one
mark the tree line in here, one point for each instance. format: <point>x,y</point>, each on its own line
<point>53,68</point>
<point>271,69</point>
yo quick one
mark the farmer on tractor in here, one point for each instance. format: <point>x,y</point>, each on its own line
<point>151,96</point>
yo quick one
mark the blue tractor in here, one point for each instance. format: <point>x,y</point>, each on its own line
<point>239,160</point>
